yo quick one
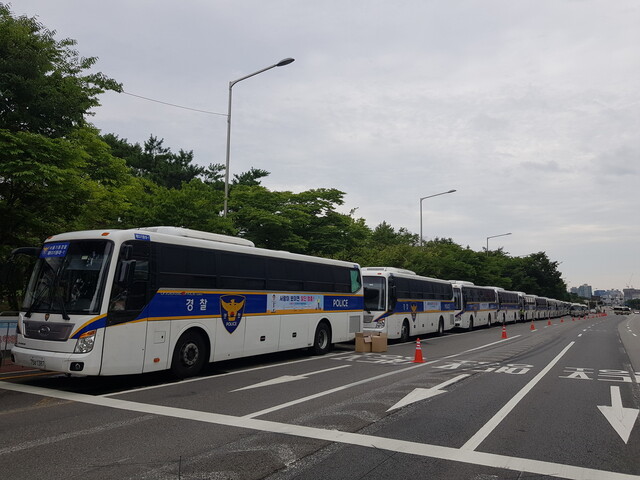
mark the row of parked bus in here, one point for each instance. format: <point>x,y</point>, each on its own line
<point>113,302</point>
<point>402,304</point>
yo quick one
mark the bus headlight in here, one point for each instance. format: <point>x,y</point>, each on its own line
<point>86,342</point>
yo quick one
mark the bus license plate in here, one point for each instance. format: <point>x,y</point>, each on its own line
<point>38,362</point>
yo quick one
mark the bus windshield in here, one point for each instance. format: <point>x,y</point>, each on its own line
<point>69,277</point>
<point>374,293</point>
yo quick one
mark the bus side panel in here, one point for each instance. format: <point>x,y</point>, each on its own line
<point>262,334</point>
<point>228,345</point>
<point>294,332</point>
<point>157,355</point>
<point>123,351</point>
<point>394,325</point>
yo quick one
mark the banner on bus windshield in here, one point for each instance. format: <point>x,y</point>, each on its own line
<point>54,250</point>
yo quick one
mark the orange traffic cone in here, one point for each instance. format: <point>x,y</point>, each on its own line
<point>533,327</point>
<point>504,331</point>
<point>549,322</point>
<point>561,319</point>
<point>418,356</point>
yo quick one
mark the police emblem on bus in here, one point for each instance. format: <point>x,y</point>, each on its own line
<point>232,310</point>
<point>414,310</point>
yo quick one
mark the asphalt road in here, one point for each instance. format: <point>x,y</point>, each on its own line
<point>560,401</point>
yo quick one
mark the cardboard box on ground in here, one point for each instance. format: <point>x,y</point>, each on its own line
<point>371,342</point>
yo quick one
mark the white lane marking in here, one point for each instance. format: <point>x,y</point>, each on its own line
<point>419,394</point>
<point>263,367</point>
<point>333,390</point>
<point>484,432</point>
<point>288,378</point>
<point>360,382</point>
<point>336,436</point>
<point>210,377</point>
<point>481,346</point>
<point>621,419</point>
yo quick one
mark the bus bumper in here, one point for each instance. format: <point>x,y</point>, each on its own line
<point>79,364</point>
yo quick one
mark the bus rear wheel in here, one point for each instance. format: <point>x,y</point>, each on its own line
<point>189,355</point>
<point>322,339</point>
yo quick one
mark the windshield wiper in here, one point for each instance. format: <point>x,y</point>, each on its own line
<point>45,288</point>
<point>55,294</point>
<point>36,301</point>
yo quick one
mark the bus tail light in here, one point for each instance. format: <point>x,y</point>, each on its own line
<point>86,342</point>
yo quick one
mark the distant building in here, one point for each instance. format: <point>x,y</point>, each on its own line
<point>610,297</point>
<point>631,294</point>
<point>584,291</point>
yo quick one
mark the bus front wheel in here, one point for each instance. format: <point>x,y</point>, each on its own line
<point>440,327</point>
<point>404,332</point>
<point>322,339</point>
<point>189,355</point>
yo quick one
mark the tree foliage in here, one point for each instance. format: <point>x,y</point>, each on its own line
<point>44,86</point>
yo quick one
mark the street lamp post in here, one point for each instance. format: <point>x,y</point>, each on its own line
<point>494,236</point>
<point>423,198</point>
<point>281,63</point>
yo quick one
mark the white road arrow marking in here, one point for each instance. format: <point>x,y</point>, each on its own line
<point>424,393</point>
<point>621,419</point>
<point>288,378</point>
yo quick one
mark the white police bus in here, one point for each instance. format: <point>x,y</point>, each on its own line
<point>131,301</point>
<point>510,305</point>
<point>402,304</point>
<point>475,305</point>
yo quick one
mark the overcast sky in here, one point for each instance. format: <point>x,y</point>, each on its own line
<point>530,109</point>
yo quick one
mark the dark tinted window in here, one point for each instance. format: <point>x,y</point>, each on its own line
<point>418,289</point>
<point>240,271</point>
<point>190,267</point>
<point>284,275</point>
<point>186,267</point>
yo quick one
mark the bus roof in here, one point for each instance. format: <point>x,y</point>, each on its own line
<point>388,269</point>
<point>184,236</point>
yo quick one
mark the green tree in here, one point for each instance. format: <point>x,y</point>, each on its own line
<point>44,87</point>
<point>155,161</point>
<point>385,235</point>
<point>55,174</point>
<point>633,304</point>
<point>305,222</point>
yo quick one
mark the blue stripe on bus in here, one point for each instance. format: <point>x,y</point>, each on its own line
<point>93,324</point>
<point>417,306</point>
<point>182,304</point>
<point>185,304</point>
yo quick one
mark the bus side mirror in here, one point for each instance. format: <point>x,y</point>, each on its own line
<point>30,251</point>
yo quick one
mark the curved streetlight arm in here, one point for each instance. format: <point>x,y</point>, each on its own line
<point>495,236</point>
<point>423,198</point>
<point>281,63</point>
